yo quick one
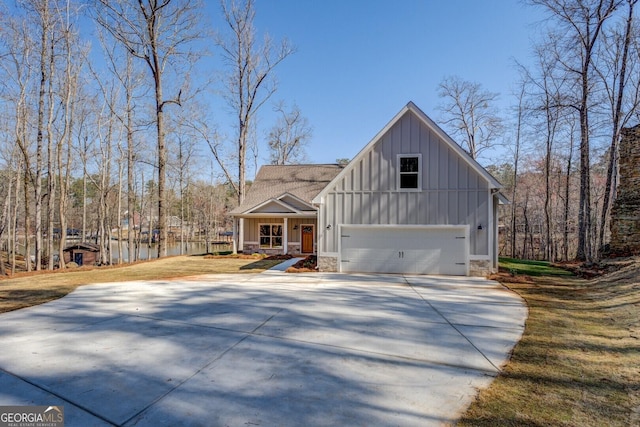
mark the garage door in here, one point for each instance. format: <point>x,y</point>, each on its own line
<point>404,249</point>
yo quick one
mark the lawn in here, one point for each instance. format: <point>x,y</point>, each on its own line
<point>27,289</point>
<point>531,268</point>
<point>578,362</point>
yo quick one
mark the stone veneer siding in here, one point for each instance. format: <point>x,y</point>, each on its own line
<point>327,264</point>
<point>625,213</point>
<point>251,248</point>
<point>480,268</point>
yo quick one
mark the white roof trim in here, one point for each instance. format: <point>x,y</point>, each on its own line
<point>313,214</point>
<point>493,183</point>
<point>502,199</point>
<point>285,205</point>
<point>302,202</point>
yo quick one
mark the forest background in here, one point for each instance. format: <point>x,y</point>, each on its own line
<point>114,122</point>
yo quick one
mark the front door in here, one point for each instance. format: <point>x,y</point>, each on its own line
<point>307,239</point>
<point>77,258</point>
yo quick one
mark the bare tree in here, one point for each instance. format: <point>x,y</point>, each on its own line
<point>250,80</point>
<point>156,32</point>
<point>288,136</point>
<point>183,165</point>
<point>8,176</point>
<point>18,75</point>
<point>469,113</point>
<point>516,159</point>
<point>73,53</point>
<point>580,24</point>
<point>616,51</point>
<point>127,84</point>
<point>43,16</point>
<point>547,104</point>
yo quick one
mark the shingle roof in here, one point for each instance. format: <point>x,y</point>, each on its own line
<point>83,245</point>
<point>302,181</point>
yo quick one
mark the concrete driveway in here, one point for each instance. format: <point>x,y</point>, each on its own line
<point>262,350</point>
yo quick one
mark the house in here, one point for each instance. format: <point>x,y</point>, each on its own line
<point>277,215</point>
<point>411,201</point>
<point>82,253</point>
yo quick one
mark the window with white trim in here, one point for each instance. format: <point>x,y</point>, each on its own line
<point>409,171</point>
<point>270,236</point>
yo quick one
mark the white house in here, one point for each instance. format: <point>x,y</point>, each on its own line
<point>412,201</point>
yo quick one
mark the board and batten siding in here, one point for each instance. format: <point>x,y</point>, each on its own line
<point>252,227</point>
<point>452,193</point>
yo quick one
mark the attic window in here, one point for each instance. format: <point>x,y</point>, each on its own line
<point>409,176</point>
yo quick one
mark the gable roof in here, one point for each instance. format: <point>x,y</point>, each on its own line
<point>87,246</point>
<point>412,108</point>
<point>278,182</point>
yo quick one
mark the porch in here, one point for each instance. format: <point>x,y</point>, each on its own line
<point>278,235</point>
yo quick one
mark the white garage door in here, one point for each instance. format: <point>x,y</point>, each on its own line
<point>404,249</point>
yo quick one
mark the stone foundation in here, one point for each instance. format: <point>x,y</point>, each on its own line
<point>480,267</point>
<point>327,264</point>
<point>294,248</point>
<point>249,248</point>
<point>625,213</point>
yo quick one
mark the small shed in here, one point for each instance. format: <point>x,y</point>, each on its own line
<point>82,253</point>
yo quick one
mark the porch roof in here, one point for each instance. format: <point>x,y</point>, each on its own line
<point>286,190</point>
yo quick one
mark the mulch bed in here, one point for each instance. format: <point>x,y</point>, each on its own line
<point>249,256</point>
<point>306,265</point>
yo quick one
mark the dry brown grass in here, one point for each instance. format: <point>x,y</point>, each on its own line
<point>578,363</point>
<point>27,289</point>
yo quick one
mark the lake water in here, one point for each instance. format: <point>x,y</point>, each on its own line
<point>190,248</point>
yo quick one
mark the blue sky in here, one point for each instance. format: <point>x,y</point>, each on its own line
<point>359,62</point>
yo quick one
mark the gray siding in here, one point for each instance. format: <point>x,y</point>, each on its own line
<point>452,193</point>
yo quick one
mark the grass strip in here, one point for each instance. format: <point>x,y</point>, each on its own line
<point>28,289</point>
<point>578,362</point>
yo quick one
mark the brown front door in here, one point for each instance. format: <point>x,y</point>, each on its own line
<point>307,239</point>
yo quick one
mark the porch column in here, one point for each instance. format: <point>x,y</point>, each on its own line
<point>235,236</point>
<point>285,236</point>
<point>241,234</point>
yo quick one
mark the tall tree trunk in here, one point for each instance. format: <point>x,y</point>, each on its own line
<point>14,222</point>
<point>65,143</point>
<point>131,194</point>
<point>567,203</point>
<point>44,9</point>
<point>119,210</point>
<point>84,191</point>
<point>51,175</point>
<point>4,223</point>
<point>584,212</point>
<point>162,162</point>
<point>27,221</point>
<point>612,167</point>
<point>516,160</point>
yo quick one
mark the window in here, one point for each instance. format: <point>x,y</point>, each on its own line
<point>270,235</point>
<point>409,176</point>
